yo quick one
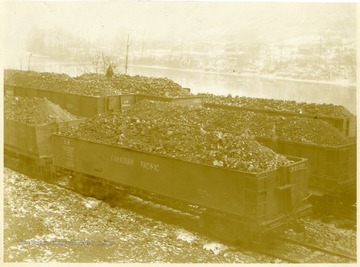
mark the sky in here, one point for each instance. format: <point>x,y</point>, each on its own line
<point>175,21</point>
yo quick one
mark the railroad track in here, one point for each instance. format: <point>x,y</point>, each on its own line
<point>340,254</point>
<point>270,254</point>
<point>188,221</point>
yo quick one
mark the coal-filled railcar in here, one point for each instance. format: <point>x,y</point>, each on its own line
<point>240,206</point>
<point>346,125</point>
<point>332,170</point>
<point>188,100</point>
<point>29,146</point>
<point>80,105</point>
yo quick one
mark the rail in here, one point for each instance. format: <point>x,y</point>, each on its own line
<point>340,254</point>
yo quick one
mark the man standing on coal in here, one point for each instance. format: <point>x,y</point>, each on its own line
<point>109,72</point>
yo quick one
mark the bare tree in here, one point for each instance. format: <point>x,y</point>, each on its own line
<point>29,61</point>
<point>96,62</point>
<point>21,61</point>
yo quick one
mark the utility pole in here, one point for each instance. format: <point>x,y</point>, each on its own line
<point>127,54</point>
<point>320,50</point>
<point>341,55</point>
<point>29,61</point>
<point>142,48</point>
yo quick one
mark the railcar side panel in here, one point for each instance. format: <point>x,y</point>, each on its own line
<point>9,90</point>
<point>90,106</point>
<point>127,101</point>
<point>73,103</point>
<point>44,94</point>
<point>345,125</point>
<point>234,192</point>
<point>114,103</point>
<point>329,166</point>
<point>32,92</point>
<point>59,99</point>
<point>80,105</point>
<point>190,100</point>
<point>32,140</point>
<point>120,102</point>
<point>19,91</point>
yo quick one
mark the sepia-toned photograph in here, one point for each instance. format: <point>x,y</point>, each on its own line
<point>179,132</point>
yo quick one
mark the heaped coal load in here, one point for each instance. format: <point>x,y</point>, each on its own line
<point>136,84</point>
<point>329,110</point>
<point>185,142</point>
<point>37,80</point>
<point>149,86</point>
<point>29,123</point>
<point>297,129</point>
<point>95,84</point>
<point>34,110</point>
<point>87,85</point>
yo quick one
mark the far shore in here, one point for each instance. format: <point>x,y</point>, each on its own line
<point>345,83</point>
<point>257,75</point>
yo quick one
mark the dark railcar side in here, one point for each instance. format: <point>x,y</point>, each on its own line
<point>332,168</point>
<point>189,100</point>
<point>32,141</point>
<point>256,200</point>
<point>346,125</point>
<point>80,105</point>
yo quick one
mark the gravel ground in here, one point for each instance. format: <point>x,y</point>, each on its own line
<point>326,235</point>
<point>47,223</point>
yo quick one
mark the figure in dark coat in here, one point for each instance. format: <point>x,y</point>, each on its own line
<point>109,72</point>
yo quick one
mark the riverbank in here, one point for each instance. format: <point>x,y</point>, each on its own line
<point>255,75</point>
<point>85,66</point>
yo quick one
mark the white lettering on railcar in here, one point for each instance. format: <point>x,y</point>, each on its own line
<point>67,142</point>
<point>68,154</point>
<point>149,166</point>
<point>122,160</point>
<point>126,103</point>
<point>297,167</point>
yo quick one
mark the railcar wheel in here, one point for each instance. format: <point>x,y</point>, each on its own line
<point>80,184</point>
<point>99,190</point>
<point>115,196</point>
<point>219,227</point>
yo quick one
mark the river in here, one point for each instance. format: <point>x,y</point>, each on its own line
<point>251,86</point>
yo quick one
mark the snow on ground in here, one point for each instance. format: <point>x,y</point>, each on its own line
<point>46,223</point>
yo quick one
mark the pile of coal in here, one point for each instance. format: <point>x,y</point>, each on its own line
<point>136,84</point>
<point>149,86</point>
<point>83,85</point>
<point>329,110</point>
<point>95,84</point>
<point>168,112</point>
<point>38,80</point>
<point>297,129</point>
<point>185,142</point>
<point>34,110</point>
